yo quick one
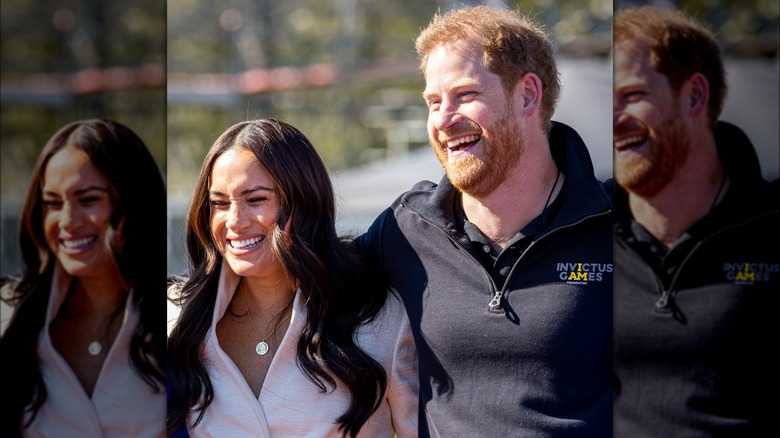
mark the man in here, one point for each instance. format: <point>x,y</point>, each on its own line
<point>697,272</point>
<point>505,266</point>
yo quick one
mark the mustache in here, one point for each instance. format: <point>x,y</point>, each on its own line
<point>629,127</point>
<point>466,126</point>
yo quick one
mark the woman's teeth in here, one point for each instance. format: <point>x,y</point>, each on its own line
<point>78,243</point>
<point>240,244</point>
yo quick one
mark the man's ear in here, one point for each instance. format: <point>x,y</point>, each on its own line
<point>695,93</point>
<point>527,94</point>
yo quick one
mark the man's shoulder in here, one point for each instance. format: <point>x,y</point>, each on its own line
<point>423,186</point>
<point>419,192</point>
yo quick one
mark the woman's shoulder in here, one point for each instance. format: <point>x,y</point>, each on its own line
<point>9,282</point>
<point>388,333</point>
<point>175,287</point>
<point>8,300</point>
<point>8,289</point>
<point>175,300</point>
<point>391,318</point>
<point>176,282</point>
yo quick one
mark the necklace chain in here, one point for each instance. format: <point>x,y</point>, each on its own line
<point>555,184</point>
<point>253,321</point>
<point>718,193</point>
<point>96,346</point>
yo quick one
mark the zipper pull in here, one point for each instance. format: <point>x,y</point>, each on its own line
<point>495,303</point>
<point>662,305</point>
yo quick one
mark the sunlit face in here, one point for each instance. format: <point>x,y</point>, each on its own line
<point>244,206</point>
<point>651,142</point>
<point>77,211</point>
<point>471,122</point>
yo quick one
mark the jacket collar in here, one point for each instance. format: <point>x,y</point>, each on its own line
<point>581,195</point>
<point>747,194</point>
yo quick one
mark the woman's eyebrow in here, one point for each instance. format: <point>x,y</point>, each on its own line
<point>258,188</point>
<point>77,192</point>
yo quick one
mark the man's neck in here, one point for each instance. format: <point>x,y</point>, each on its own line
<point>528,189</point>
<point>687,198</point>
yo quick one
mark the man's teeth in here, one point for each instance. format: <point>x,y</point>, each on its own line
<point>467,139</point>
<point>630,140</point>
<point>244,243</point>
<point>71,244</point>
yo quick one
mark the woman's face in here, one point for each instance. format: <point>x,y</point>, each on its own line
<point>77,209</point>
<point>244,206</point>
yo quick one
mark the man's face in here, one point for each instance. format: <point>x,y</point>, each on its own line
<point>651,142</point>
<point>472,125</point>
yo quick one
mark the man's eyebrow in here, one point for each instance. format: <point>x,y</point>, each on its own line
<point>466,82</point>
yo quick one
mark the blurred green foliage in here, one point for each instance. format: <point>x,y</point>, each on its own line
<point>367,91</point>
<point>67,60</point>
<point>744,28</point>
<point>78,59</point>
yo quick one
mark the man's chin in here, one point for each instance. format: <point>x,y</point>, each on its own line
<point>645,184</point>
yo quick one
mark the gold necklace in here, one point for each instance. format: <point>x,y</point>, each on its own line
<point>96,347</point>
<point>262,347</point>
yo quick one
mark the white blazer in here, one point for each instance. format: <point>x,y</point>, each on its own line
<point>289,404</point>
<point>122,404</point>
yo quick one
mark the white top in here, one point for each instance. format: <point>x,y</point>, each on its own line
<point>289,404</point>
<point>122,404</point>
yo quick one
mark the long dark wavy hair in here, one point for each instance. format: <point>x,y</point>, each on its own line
<point>138,245</point>
<point>339,293</point>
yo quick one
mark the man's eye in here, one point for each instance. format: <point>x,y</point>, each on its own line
<point>633,96</point>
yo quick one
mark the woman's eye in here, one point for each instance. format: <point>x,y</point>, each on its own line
<point>52,204</point>
<point>89,200</point>
<point>217,203</point>
<point>257,200</point>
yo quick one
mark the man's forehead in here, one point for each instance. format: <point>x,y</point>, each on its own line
<point>632,58</point>
<point>636,50</point>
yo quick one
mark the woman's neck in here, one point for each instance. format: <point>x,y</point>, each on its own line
<point>96,295</point>
<point>266,295</point>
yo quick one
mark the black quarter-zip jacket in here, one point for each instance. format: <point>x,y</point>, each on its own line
<point>539,364</point>
<point>695,336</point>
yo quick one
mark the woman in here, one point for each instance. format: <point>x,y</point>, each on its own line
<point>84,353</point>
<point>282,332</point>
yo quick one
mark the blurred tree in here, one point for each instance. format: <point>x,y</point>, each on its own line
<point>74,59</point>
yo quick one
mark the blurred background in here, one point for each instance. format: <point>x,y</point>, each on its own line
<point>345,73</point>
<point>62,61</point>
<point>748,32</point>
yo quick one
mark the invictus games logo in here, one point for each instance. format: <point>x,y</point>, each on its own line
<point>583,273</point>
<point>750,273</point>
